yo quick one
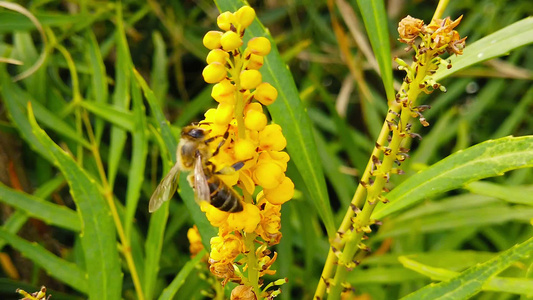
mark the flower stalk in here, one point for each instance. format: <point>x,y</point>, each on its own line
<point>248,155</point>
<point>435,39</point>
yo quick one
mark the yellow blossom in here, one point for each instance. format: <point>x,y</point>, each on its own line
<point>245,220</point>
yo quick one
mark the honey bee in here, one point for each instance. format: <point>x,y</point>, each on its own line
<point>193,154</point>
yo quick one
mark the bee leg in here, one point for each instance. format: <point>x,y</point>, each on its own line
<point>237,166</point>
<point>224,138</point>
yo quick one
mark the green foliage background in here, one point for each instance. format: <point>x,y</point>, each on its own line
<point>126,68</point>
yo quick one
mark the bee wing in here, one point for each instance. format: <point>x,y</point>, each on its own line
<point>165,190</point>
<point>201,187</point>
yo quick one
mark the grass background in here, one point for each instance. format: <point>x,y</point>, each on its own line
<point>331,115</point>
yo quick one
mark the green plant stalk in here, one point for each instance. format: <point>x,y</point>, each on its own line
<point>253,268</point>
<point>357,201</point>
<point>359,197</point>
<point>239,105</point>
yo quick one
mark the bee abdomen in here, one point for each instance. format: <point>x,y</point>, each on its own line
<point>223,197</point>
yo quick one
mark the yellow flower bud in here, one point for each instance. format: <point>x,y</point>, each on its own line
<point>250,79</point>
<point>209,115</point>
<point>271,138</point>
<point>245,16</point>
<point>217,55</point>
<point>280,194</point>
<point>224,113</point>
<point>255,120</point>
<point>214,72</point>
<point>255,62</point>
<point>259,46</point>
<point>225,20</point>
<point>244,149</point>
<point>246,220</point>
<point>212,40</point>
<point>268,175</point>
<point>224,91</point>
<point>265,93</point>
<point>230,41</point>
<point>279,157</point>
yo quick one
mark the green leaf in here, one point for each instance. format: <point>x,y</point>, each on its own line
<point>98,232</point>
<point>16,99</point>
<point>170,291</point>
<point>289,112</point>
<point>498,284</point>
<point>98,78</point>
<point>58,268</point>
<point>116,116</point>
<point>121,96</point>
<point>490,158</point>
<point>497,44</point>
<point>38,208</point>
<point>376,24</point>
<point>471,281</point>
<point>512,194</point>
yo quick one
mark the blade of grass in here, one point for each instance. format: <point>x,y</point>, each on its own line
<point>58,268</point>
<point>158,76</point>
<point>289,112</point>
<point>511,194</point>
<point>376,24</point>
<point>116,116</point>
<point>38,208</point>
<point>170,291</point>
<point>98,79</point>
<point>98,236</point>
<point>490,158</point>
<point>121,96</point>
<point>471,281</point>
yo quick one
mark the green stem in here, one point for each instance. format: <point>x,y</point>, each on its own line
<point>353,239</point>
<point>253,268</point>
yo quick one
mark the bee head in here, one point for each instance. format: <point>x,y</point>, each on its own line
<point>194,132</point>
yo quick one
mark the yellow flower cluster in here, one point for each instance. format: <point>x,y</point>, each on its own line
<point>247,140</point>
<point>438,36</point>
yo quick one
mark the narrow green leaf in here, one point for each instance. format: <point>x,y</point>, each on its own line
<point>112,114</point>
<point>98,78</point>
<point>17,100</point>
<point>497,213</point>
<point>121,96</point>
<point>490,158</point>
<point>376,24</point>
<point>162,125</point>
<point>10,93</point>
<point>15,222</point>
<point>170,291</point>
<point>38,208</point>
<point>512,194</point>
<point>497,44</point>
<point>471,281</point>
<point>58,268</point>
<point>497,284</point>
<point>138,157</point>
<point>98,232</point>
<point>289,112</point>
<point>159,74</point>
